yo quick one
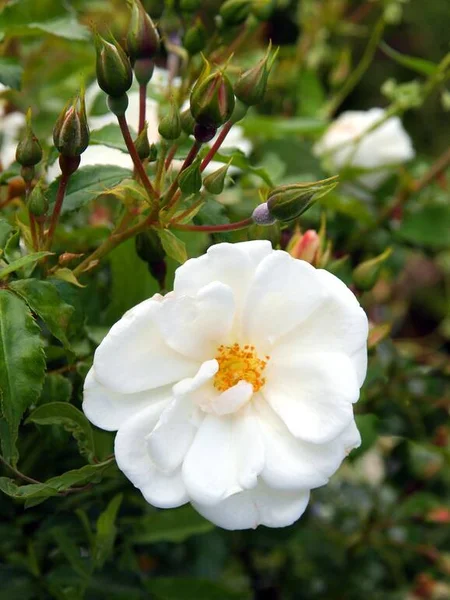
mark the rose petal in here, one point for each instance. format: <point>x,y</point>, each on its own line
<point>259,506</point>
<point>160,489</point>
<point>313,394</point>
<point>134,357</point>
<point>108,409</point>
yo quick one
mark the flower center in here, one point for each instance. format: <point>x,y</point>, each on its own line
<point>239,363</point>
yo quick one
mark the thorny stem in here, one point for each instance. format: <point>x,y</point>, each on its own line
<point>142,105</point>
<point>62,187</point>
<point>215,147</point>
<point>215,228</point>
<point>135,158</point>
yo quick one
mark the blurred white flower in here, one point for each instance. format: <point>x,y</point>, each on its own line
<point>345,144</point>
<point>234,392</point>
<point>10,126</point>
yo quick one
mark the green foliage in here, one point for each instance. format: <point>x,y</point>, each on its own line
<point>173,246</point>
<point>169,526</point>
<point>11,72</point>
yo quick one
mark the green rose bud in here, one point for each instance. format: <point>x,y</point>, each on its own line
<point>187,122</point>
<point>37,201</point>
<point>142,144</point>
<point>287,202</point>
<point>114,74</point>
<point>143,70</point>
<point>239,112</point>
<point>263,9</point>
<point>71,132</point>
<point>251,85</point>
<point>153,154</point>
<point>235,12</point>
<point>118,104</point>
<point>190,180</point>
<point>212,101</point>
<point>366,274</point>
<point>29,151</point>
<point>194,39</point>
<point>170,125</point>
<point>143,37</point>
<point>215,182</point>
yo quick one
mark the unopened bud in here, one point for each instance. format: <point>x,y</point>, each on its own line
<point>239,112</point>
<point>153,154</point>
<point>215,182</point>
<point>190,180</point>
<point>204,133</point>
<point>71,131</point>
<point>212,101</point>
<point>37,201</point>
<point>305,246</point>
<point>143,70</point>
<point>143,37</point>
<point>263,9</point>
<point>142,144</point>
<point>287,202</point>
<point>366,274</point>
<point>235,12</point>
<point>118,104</point>
<point>187,122</point>
<point>261,215</point>
<point>27,174</point>
<point>194,39</point>
<point>251,85</point>
<point>114,74</point>
<point>170,125</point>
<point>29,151</point>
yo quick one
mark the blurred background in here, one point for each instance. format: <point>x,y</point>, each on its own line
<point>380,529</point>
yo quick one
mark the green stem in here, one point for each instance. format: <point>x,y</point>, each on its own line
<point>361,68</point>
<point>135,158</point>
<point>214,228</point>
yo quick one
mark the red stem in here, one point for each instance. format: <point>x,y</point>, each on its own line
<point>135,158</point>
<point>142,105</point>
<point>62,187</point>
<point>215,147</point>
<point>170,156</point>
<point>214,228</point>
<point>171,197</point>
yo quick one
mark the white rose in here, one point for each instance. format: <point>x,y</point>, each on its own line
<point>234,392</point>
<point>345,145</point>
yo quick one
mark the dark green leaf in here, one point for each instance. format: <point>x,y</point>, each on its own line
<point>22,367</point>
<point>44,299</point>
<point>173,246</point>
<point>86,184</point>
<point>57,388</point>
<point>71,551</point>
<point>169,526</point>
<point>10,72</point>
<point>106,532</point>
<point>368,428</point>
<point>171,588</point>
<point>24,261</point>
<point>419,65</point>
<point>429,227</point>
<point>69,417</point>
<point>5,231</point>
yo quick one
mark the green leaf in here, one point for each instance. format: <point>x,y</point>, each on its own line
<point>5,232</point>
<point>310,93</point>
<point>106,532</point>
<point>69,417</point>
<point>28,17</point>
<point>67,275</point>
<point>368,428</point>
<point>57,388</point>
<point>240,161</point>
<point>44,299</point>
<point>419,65</point>
<point>174,525</point>
<point>86,184</point>
<point>427,227</point>
<point>173,246</point>
<point>71,551</point>
<point>22,368</point>
<point>273,127</point>
<point>111,136</point>
<point>171,588</point>
<point>24,261</point>
<point>24,492</point>
<point>11,72</point>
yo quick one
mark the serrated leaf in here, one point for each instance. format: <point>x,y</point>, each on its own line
<point>106,532</point>
<point>67,275</point>
<point>23,492</point>
<point>69,417</point>
<point>174,525</point>
<point>11,72</point>
<point>86,184</point>
<point>419,65</point>
<point>24,261</point>
<point>22,367</point>
<point>173,246</point>
<point>44,299</point>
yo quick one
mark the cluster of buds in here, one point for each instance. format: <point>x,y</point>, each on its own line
<point>287,202</point>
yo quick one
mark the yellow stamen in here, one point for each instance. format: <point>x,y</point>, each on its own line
<point>239,363</point>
